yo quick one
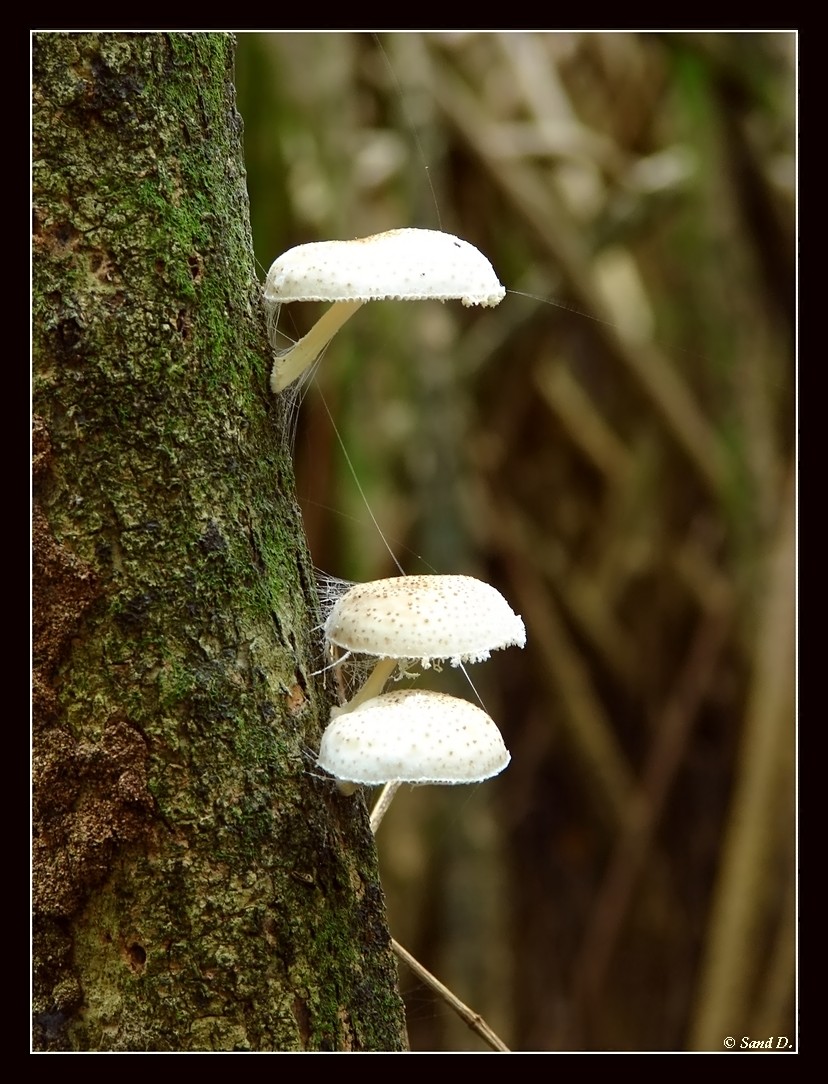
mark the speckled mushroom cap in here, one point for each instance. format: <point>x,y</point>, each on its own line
<point>426,618</point>
<point>413,737</point>
<point>407,265</point>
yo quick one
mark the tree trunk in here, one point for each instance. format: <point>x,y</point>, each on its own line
<point>196,886</point>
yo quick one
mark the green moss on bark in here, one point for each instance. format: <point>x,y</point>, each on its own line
<point>196,887</point>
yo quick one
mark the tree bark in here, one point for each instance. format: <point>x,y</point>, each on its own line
<point>196,886</point>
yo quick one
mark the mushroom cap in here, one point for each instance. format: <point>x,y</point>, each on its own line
<point>406,265</point>
<point>457,618</point>
<point>413,737</point>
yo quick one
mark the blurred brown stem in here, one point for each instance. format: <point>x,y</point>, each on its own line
<point>725,995</point>
<point>633,847</point>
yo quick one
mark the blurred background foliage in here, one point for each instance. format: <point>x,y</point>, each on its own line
<point>613,448</point>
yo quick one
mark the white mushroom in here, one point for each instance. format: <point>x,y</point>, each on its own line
<point>424,618</point>
<point>413,737</point>
<point>458,618</point>
<point>406,265</point>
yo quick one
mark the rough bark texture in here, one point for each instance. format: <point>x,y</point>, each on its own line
<point>196,888</point>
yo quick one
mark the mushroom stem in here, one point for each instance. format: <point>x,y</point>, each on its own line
<point>383,802</point>
<point>289,366</point>
<point>373,686</point>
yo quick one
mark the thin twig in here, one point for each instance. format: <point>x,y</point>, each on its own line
<point>474,1020</point>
